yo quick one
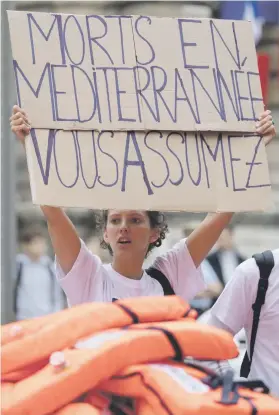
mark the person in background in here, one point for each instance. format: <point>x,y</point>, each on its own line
<point>36,291</point>
<point>224,259</point>
<point>203,300</point>
<point>233,311</point>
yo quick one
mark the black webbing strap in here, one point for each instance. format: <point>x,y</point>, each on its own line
<point>230,394</point>
<point>133,315</point>
<point>254,410</point>
<point>265,263</point>
<point>174,343</point>
<point>17,285</point>
<point>162,279</point>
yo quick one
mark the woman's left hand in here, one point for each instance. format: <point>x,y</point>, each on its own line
<point>265,127</point>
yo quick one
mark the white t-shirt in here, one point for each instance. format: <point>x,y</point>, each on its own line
<point>91,280</point>
<point>233,311</point>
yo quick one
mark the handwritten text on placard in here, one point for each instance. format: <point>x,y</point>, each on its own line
<point>166,168</point>
<point>136,72</point>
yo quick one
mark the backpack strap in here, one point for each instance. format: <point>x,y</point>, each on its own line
<point>162,279</point>
<point>265,263</point>
<point>17,284</point>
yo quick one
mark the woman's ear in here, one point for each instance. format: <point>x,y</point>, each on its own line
<point>155,234</point>
<point>105,235</point>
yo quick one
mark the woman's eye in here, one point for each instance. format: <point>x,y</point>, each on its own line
<point>135,220</point>
<point>114,221</point>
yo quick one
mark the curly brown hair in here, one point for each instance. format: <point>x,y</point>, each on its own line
<point>157,220</point>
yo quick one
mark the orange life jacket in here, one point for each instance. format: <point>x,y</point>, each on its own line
<point>117,404</point>
<point>179,389</point>
<point>93,403</point>
<point>24,372</point>
<point>79,408</point>
<point>29,342</point>
<point>98,357</point>
<point>143,408</point>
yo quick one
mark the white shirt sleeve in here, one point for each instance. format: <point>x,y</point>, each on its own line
<point>78,282</point>
<point>234,305</point>
<point>177,265</point>
<point>215,322</point>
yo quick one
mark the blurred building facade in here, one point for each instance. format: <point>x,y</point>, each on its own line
<point>256,231</point>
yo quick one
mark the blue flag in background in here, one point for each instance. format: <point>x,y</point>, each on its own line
<point>266,10</point>
<point>251,13</point>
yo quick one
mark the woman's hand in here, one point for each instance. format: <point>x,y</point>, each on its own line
<point>265,127</point>
<point>20,124</point>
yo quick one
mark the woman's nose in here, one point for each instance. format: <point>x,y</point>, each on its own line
<point>124,226</point>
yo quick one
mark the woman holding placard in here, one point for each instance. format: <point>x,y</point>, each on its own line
<point>130,235</point>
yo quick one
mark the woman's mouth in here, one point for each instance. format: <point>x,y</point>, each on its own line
<point>124,241</point>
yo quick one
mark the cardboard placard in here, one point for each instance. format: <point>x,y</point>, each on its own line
<point>135,72</point>
<point>110,98</point>
<point>148,170</point>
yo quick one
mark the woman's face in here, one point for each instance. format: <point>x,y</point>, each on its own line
<point>129,232</point>
<point>36,248</point>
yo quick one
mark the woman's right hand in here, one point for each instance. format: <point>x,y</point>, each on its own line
<point>20,124</point>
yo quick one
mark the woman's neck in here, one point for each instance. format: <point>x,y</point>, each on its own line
<point>128,268</point>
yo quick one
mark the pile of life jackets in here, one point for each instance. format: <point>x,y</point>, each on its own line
<point>140,356</point>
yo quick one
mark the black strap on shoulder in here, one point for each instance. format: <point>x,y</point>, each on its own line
<point>162,279</point>
<point>265,263</point>
<point>17,284</point>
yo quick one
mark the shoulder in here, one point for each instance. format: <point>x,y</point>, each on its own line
<point>178,250</point>
<point>245,278</point>
<point>86,254</point>
<point>248,268</point>
<point>274,277</point>
<point>174,260</point>
<point>46,260</point>
<point>178,266</point>
<point>152,284</point>
<point>250,271</point>
<point>85,281</point>
<point>86,264</point>
<point>22,259</point>
<point>158,277</point>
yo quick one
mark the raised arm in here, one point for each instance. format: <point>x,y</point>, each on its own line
<point>202,239</point>
<point>64,237</point>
